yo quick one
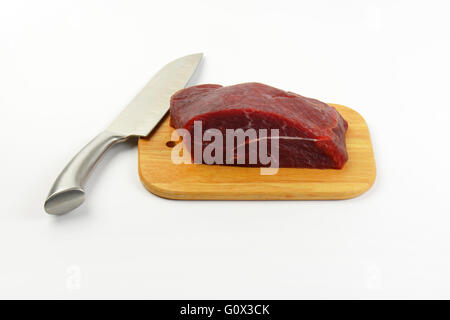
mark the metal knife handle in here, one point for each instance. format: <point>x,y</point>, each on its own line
<point>67,192</point>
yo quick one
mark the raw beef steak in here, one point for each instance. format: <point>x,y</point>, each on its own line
<point>311,133</point>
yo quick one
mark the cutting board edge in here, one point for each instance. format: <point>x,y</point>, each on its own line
<point>165,193</point>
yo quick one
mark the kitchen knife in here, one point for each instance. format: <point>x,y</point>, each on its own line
<point>138,119</point>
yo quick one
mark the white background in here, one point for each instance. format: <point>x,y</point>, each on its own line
<point>68,67</point>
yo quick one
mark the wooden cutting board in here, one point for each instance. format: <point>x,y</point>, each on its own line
<point>215,182</point>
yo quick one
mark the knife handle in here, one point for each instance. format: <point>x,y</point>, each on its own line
<point>67,192</point>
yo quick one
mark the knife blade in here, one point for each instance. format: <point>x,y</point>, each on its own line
<point>139,118</point>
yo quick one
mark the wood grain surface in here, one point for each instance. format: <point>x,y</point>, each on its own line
<point>215,182</point>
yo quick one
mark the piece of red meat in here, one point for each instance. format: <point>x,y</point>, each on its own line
<point>311,133</point>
